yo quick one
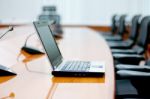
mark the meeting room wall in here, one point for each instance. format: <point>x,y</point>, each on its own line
<point>73,12</point>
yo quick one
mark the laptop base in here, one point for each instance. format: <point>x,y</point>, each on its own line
<point>76,74</point>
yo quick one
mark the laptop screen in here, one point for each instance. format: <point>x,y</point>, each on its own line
<point>49,43</point>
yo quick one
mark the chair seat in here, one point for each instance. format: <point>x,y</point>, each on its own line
<point>106,33</point>
<point>113,38</point>
<point>121,44</point>
<point>127,58</point>
<point>126,51</point>
<point>122,88</point>
<point>144,68</point>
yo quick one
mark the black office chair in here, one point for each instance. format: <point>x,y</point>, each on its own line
<point>50,14</point>
<point>139,49</point>
<point>114,24</point>
<point>113,27</point>
<point>56,18</point>
<point>133,81</point>
<point>126,44</point>
<point>120,32</point>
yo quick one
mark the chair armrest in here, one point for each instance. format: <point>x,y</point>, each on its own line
<point>123,51</point>
<point>129,74</point>
<point>128,58</point>
<point>133,67</point>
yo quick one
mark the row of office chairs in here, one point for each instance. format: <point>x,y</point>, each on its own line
<point>128,43</point>
<point>137,50</point>
<point>134,47</point>
<point>132,80</point>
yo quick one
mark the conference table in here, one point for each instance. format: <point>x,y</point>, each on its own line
<point>34,79</point>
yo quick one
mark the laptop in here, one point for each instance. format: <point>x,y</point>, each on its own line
<point>60,66</point>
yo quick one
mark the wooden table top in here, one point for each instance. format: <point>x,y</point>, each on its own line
<point>34,79</point>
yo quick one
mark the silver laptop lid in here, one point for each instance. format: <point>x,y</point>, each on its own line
<point>45,34</point>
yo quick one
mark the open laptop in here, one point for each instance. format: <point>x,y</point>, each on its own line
<point>63,67</point>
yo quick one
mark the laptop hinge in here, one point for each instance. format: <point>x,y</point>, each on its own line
<point>58,63</point>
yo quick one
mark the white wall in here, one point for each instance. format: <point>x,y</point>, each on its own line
<point>23,10</point>
<point>78,12</point>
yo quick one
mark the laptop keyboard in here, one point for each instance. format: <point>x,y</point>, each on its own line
<point>76,66</point>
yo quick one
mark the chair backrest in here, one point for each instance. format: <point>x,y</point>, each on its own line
<point>142,41</point>
<point>121,28</point>
<point>49,9</point>
<point>144,32</point>
<point>134,27</point>
<point>56,18</point>
<point>113,25</point>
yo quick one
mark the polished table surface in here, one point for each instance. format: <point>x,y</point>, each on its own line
<point>34,79</point>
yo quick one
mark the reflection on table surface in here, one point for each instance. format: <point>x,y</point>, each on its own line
<point>34,79</point>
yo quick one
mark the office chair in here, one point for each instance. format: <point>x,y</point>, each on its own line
<point>138,49</point>
<point>120,32</point>
<point>113,27</point>
<point>133,81</point>
<point>56,18</point>
<point>49,14</point>
<point>126,44</point>
<point>114,24</point>
<point>58,27</point>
